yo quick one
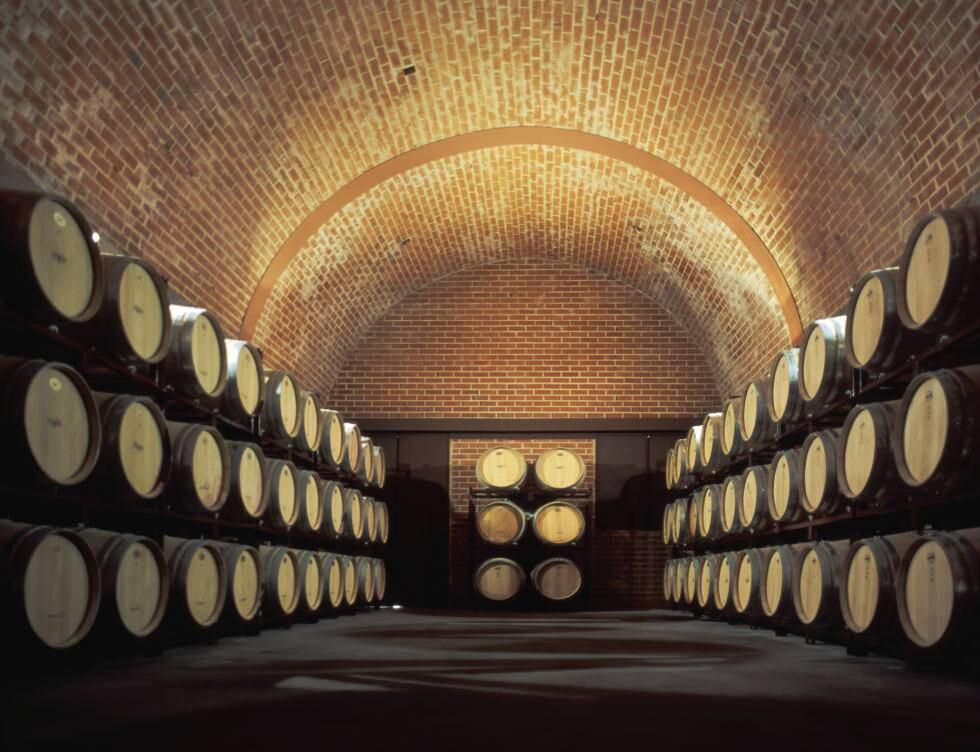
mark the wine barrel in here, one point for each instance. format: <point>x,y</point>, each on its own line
<point>865,466</point>
<point>284,497</point>
<point>723,586</point>
<point>249,485</point>
<point>353,514</point>
<point>244,393</point>
<point>681,474</point>
<point>243,594</point>
<point>680,577</point>
<point>53,269</point>
<point>365,580</point>
<point>500,522</point>
<point>332,441</point>
<point>668,580</point>
<point>825,373</point>
<point>693,451</point>
<point>557,579</point>
<point>731,431</point>
<point>755,427</point>
<point>692,574</point>
<point>706,578</point>
<point>876,339</point>
<point>282,412</point>
<point>816,583</point>
<point>380,468</point>
<point>709,513</point>
<point>784,401</point>
<point>365,470</point>
<point>50,584</point>
<point>310,430</point>
<point>693,514</point>
<point>50,421</point>
<point>498,579</point>
<point>711,432</point>
<point>135,583</point>
<point>558,470</point>
<point>501,468</point>
<point>731,493</point>
<point>333,510</point>
<point>332,573</point>
<point>819,494</point>
<point>311,501</point>
<point>753,508</point>
<point>938,590</point>
<point>669,469</point>
<point>383,523</point>
<point>198,581</point>
<point>937,434</point>
<point>311,581</point>
<point>133,323</point>
<point>134,461</point>
<point>370,520</point>
<point>782,487</point>
<point>778,564</point>
<point>281,571</point>
<point>666,523</point>
<point>196,364</point>
<point>351,461</point>
<point>349,571</point>
<point>380,580</point>
<point>559,523</point>
<point>680,520</point>
<point>869,572</point>
<point>938,283</point>
<point>200,474</point>
<point>747,589</point>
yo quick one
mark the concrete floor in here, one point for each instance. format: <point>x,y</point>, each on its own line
<point>441,680</point>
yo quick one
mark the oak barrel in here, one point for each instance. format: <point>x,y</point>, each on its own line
<point>332,572</point>
<point>365,580</point>
<point>383,522</point>
<point>310,430</point>
<point>747,590</point>
<point>936,441</point>
<point>680,577</point>
<point>816,583</point>
<point>281,592</point>
<point>782,489</point>
<point>50,421</point>
<point>351,461</point>
<point>825,374</point>
<point>731,494</point>
<point>681,475</point>
<point>559,523</point>
<point>243,596</point>
<point>709,512</point>
<point>198,581</point>
<point>865,466</point>
<point>500,521</point>
<point>557,579</point>
<point>693,514</point>
<point>249,485</point>
<point>668,580</point>
<point>498,579</point>
<point>692,575</point>
<point>755,426</point>
<point>53,267</point>
<point>349,571</point>
<point>332,440</point>
<point>311,507</point>
<point>380,580</point>
<point>200,473</point>
<point>284,494</point>
<point>876,339</point>
<point>939,280</point>
<point>724,583</point>
<point>135,582</point>
<point>665,524</point>
<point>706,579</point>
<point>370,520</point>
<point>711,432</point>
<point>693,451</point>
<point>282,412</point>
<point>680,526</point>
<point>501,469</point>
<point>753,508</point>
<point>311,583</point>
<point>669,481</point>
<point>784,401</point>
<point>353,514</point>
<point>380,467</point>
<point>365,470</point>
<point>196,364</point>
<point>731,429</point>
<point>778,564</point>
<point>869,572</point>
<point>819,493</point>
<point>134,461</point>
<point>245,390</point>
<point>938,589</point>
<point>558,469</point>
<point>333,509</point>
<point>50,582</point>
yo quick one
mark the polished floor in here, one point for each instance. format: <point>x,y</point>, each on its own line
<point>466,681</point>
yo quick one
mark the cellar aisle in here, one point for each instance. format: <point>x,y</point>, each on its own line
<point>443,679</point>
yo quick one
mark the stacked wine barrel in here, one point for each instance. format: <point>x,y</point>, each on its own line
<point>163,430</point>
<point>530,524</point>
<point>876,413</point>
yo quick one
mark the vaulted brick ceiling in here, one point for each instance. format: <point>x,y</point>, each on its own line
<point>209,137</point>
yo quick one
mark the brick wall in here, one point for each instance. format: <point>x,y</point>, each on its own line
<point>627,569</point>
<point>530,338</point>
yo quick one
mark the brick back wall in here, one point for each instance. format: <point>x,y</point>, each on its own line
<point>529,338</point>
<point>627,569</point>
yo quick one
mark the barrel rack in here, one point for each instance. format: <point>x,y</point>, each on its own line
<point>84,505</point>
<point>528,551</point>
